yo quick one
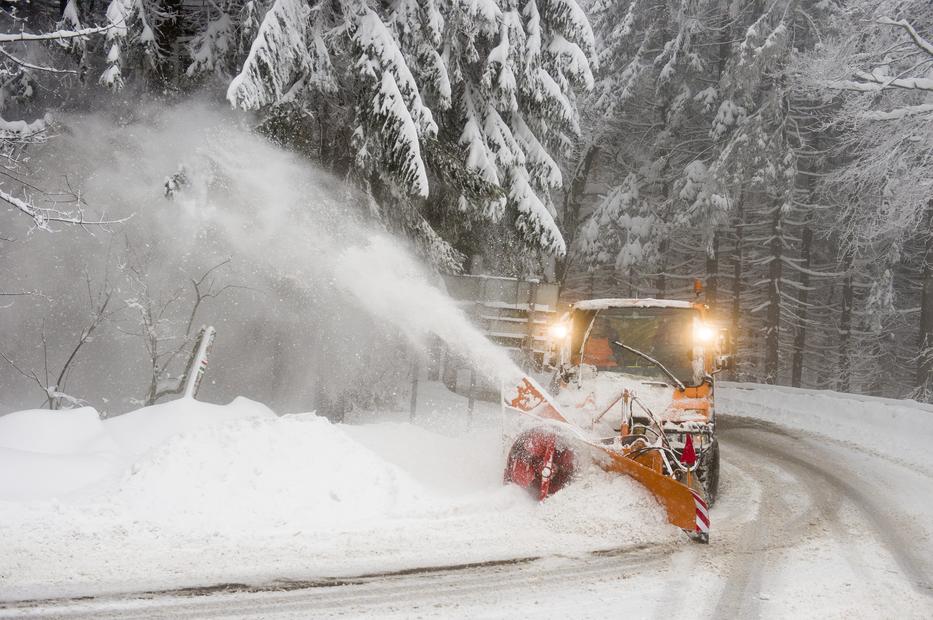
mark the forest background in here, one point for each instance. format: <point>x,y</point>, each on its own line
<point>780,150</point>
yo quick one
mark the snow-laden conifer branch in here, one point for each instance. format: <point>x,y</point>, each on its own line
<point>380,53</point>
<point>545,170</point>
<point>277,57</point>
<point>479,158</point>
<point>130,20</point>
<point>209,49</point>
<point>534,220</point>
<point>400,136</point>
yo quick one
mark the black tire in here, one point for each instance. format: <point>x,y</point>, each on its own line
<point>708,472</point>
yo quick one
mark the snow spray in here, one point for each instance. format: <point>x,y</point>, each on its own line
<point>320,297</point>
<point>390,284</point>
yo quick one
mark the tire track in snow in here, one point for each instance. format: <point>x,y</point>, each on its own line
<point>778,457</point>
<point>373,594</point>
<point>874,513</point>
<point>778,524</point>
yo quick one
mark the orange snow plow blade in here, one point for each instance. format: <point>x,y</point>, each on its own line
<point>686,508</point>
<point>682,503</point>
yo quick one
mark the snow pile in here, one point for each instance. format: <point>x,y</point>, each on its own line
<point>52,432</point>
<point>45,453</point>
<point>149,427</point>
<point>900,430</point>
<point>57,453</point>
<point>265,474</point>
<point>187,493</point>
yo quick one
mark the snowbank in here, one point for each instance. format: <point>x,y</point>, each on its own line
<point>146,428</point>
<point>47,453</point>
<point>900,430</point>
<point>52,432</point>
<point>263,474</point>
<point>58,453</point>
<point>187,493</point>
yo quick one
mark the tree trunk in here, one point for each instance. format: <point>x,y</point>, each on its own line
<point>662,280</point>
<point>737,272</point>
<point>573,200</point>
<point>845,326</point>
<point>824,369</point>
<point>712,274</point>
<point>924,359</point>
<point>775,272</point>
<point>800,334</point>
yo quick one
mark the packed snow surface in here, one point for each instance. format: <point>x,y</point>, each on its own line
<point>900,430</point>
<point>188,493</point>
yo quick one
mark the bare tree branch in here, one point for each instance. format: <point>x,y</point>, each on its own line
<point>871,82</point>
<point>30,375</point>
<point>899,113</point>
<point>58,35</point>
<point>43,217</point>
<point>919,41</point>
<point>23,63</point>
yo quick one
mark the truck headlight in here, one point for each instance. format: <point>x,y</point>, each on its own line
<point>558,331</point>
<point>704,333</point>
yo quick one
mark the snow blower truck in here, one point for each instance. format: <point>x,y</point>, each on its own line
<point>634,384</point>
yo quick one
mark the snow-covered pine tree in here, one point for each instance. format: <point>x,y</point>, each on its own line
<point>648,110</point>
<point>694,98</point>
<point>495,80</point>
<point>131,38</point>
<point>877,69</point>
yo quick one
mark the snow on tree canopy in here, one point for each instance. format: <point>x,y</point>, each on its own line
<point>380,53</point>
<point>400,133</point>
<point>277,58</point>
<point>500,75</point>
<point>211,47</point>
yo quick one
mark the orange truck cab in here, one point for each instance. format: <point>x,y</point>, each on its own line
<point>636,365</point>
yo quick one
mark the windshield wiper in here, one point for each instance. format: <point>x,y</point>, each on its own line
<point>664,369</point>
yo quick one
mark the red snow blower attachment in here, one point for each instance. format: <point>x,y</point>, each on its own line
<point>540,462</point>
<point>542,459</point>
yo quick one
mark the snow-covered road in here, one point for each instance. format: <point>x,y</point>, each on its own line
<point>806,526</point>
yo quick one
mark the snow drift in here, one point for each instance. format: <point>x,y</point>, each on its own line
<point>187,493</point>
<point>899,430</point>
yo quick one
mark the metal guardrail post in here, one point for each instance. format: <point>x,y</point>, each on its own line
<point>198,363</point>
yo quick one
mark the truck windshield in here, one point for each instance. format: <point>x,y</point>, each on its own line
<point>665,334</point>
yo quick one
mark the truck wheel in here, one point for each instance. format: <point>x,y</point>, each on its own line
<point>708,472</point>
